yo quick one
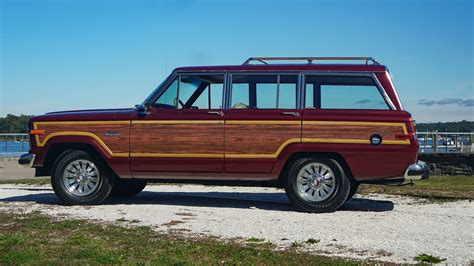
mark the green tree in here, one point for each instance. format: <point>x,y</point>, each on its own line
<point>14,124</point>
<point>462,126</point>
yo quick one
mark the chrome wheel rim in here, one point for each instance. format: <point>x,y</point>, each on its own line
<point>315,182</point>
<point>81,178</point>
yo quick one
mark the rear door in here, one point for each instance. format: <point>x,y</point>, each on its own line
<point>262,120</point>
<point>350,115</point>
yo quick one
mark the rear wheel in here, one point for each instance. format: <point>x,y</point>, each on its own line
<point>80,178</point>
<point>317,185</point>
<point>127,188</point>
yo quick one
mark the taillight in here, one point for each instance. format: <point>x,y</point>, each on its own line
<point>405,136</point>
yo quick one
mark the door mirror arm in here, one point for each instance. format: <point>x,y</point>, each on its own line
<point>143,109</point>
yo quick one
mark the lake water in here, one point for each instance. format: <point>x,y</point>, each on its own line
<point>13,148</point>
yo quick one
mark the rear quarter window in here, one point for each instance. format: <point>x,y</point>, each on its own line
<point>343,92</point>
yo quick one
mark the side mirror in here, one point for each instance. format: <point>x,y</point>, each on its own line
<point>143,109</point>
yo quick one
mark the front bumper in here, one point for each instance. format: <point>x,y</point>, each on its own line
<point>27,160</point>
<point>417,171</point>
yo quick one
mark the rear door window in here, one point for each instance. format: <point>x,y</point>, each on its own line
<point>264,91</point>
<point>343,92</point>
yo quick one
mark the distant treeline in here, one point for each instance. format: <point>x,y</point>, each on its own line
<point>14,124</point>
<point>18,124</point>
<point>462,126</point>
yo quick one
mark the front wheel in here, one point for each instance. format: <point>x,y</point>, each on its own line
<point>353,190</point>
<point>80,178</point>
<point>127,187</point>
<point>317,185</point>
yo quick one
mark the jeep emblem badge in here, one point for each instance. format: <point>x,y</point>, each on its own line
<point>375,139</point>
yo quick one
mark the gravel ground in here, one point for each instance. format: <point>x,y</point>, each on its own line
<point>393,229</point>
<point>10,169</point>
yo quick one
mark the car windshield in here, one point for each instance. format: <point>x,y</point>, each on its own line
<point>147,100</point>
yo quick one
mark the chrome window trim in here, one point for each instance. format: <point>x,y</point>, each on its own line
<point>389,77</point>
<point>383,92</point>
<point>179,88</point>
<point>355,74</point>
<point>225,92</point>
<point>229,92</point>
<point>300,91</point>
<point>278,92</point>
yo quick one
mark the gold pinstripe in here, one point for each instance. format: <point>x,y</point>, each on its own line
<point>229,122</point>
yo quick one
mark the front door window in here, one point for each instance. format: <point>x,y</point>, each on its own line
<point>201,91</point>
<point>193,92</point>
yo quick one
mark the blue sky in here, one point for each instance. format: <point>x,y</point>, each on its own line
<point>59,55</point>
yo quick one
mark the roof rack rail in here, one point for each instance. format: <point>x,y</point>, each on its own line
<point>310,59</point>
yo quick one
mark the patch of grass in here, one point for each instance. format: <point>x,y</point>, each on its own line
<point>38,239</point>
<point>18,257</point>
<point>39,181</point>
<point>312,241</point>
<point>123,220</point>
<point>437,188</point>
<point>296,244</point>
<point>428,258</point>
<point>255,240</point>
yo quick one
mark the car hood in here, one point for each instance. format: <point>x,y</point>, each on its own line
<point>86,115</point>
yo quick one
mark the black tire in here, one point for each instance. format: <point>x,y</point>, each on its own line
<point>334,199</point>
<point>353,190</point>
<point>127,187</point>
<point>104,183</point>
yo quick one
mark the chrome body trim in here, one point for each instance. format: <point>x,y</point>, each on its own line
<point>416,171</point>
<point>26,160</point>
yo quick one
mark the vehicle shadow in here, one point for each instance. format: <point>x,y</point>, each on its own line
<point>276,201</point>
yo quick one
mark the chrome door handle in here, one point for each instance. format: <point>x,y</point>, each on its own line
<point>219,113</point>
<point>291,113</point>
<point>112,133</point>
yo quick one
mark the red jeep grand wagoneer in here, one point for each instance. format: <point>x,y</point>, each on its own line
<point>318,130</point>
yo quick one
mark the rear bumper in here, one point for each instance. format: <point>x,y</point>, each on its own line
<point>27,160</point>
<point>417,171</point>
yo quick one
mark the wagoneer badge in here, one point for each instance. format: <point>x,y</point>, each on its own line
<point>375,139</point>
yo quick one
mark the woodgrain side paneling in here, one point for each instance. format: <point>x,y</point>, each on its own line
<point>192,140</point>
<point>259,140</point>
<point>243,139</point>
<point>117,144</point>
<point>356,132</point>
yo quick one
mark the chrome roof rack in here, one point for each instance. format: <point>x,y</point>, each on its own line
<point>310,59</point>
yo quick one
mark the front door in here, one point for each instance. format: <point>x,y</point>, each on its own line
<point>184,130</point>
<point>262,121</point>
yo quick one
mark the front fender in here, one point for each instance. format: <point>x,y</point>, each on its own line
<point>118,162</point>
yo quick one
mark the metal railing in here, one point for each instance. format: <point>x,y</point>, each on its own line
<point>445,141</point>
<point>14,144</point>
